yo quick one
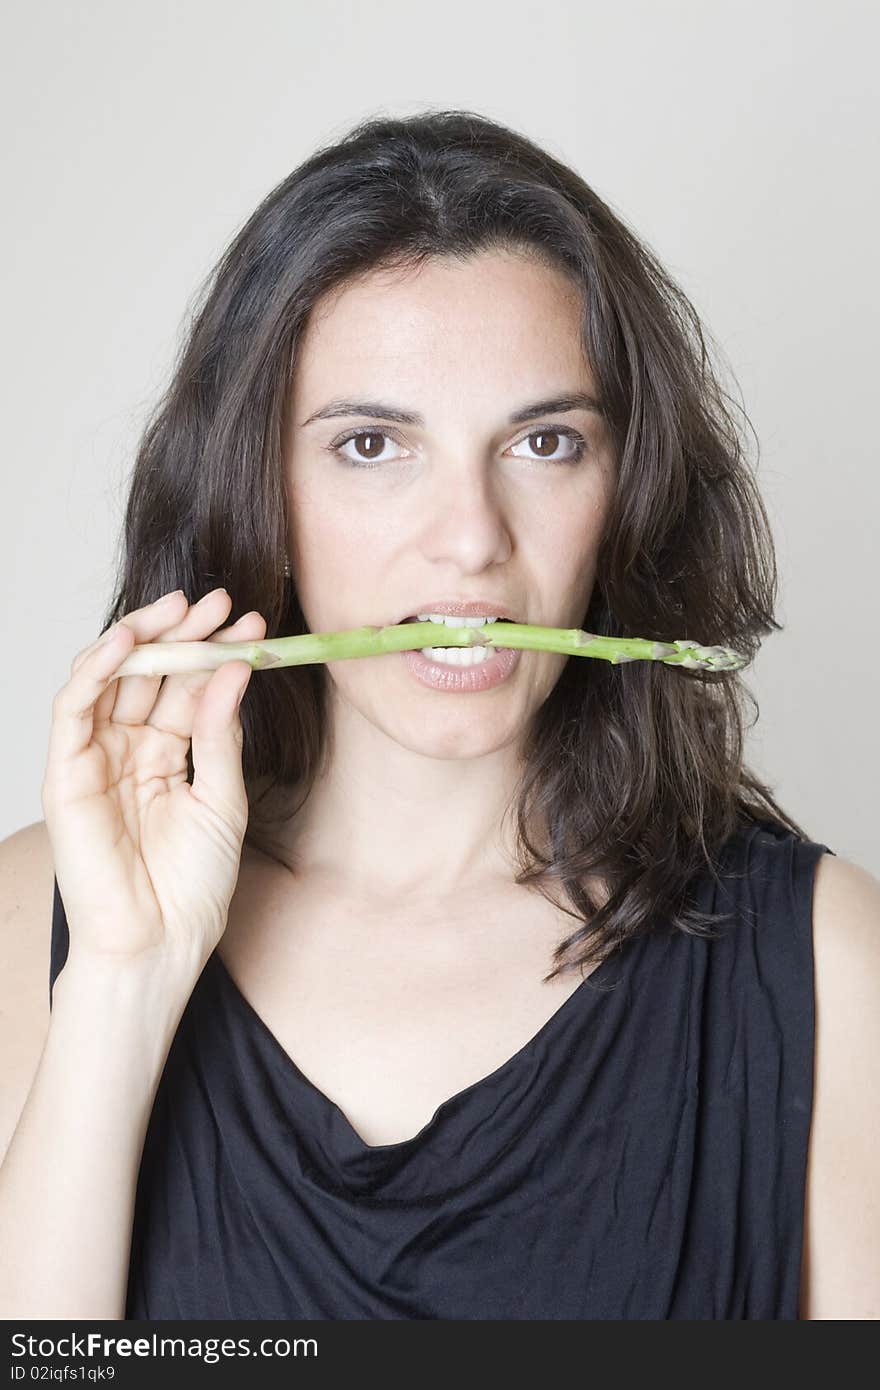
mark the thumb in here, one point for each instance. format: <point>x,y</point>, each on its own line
<point>217,740</point>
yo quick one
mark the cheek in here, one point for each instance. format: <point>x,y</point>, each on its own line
<point>327,516</point>
<point>577,546</point>
<point>328,555</point>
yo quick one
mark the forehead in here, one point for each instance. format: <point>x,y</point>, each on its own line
<point>499,318</point>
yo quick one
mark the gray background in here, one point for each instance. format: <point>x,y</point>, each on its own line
<point>738,140</point>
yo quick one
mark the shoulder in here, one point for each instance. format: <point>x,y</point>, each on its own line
<point>841,1256</point>
<point>26,894</point>
<point>27,880</point>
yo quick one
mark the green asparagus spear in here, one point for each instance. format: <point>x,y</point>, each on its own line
<point>167,658</point>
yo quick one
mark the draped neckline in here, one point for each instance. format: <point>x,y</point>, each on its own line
<point>569,1006</point>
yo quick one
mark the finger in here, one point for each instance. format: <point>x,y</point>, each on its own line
<point>147,624</point>
<point>178,700</point>
<point>218,777</point>
<point>136,695</point>
<point>74,705</point>
<point>140,620</point>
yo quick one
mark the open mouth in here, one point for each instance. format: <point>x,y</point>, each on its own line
<point>414,619</point>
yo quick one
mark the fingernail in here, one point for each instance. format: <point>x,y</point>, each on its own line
<point>110,634</point>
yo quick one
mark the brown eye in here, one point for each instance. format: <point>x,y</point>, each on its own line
<point>547,442</point>
<point>369,444</point>
<point>542,446</point>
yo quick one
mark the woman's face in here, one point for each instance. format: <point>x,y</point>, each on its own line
<point>463,504</point>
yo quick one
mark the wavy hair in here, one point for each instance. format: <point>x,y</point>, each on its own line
<point>635,772</point>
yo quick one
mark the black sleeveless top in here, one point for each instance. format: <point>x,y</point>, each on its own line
<point>643,1156</point>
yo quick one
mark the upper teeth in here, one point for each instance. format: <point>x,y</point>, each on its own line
<point>452,621</point>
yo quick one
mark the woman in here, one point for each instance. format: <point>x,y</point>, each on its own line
<point>405,990</point>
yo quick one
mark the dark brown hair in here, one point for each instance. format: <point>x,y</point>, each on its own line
<point>634,771</point>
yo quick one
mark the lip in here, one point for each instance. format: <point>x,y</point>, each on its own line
<point>463,680</point>
<point>461,608</point>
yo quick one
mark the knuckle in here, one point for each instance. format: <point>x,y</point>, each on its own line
<point>62,696</point>
<point>85,655</point>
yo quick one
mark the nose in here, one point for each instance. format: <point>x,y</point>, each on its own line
<point>464,520</point>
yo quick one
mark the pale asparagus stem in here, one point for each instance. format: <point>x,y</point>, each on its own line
<point>168,658</point>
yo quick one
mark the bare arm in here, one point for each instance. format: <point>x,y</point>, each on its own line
<point>146,864</point>
<point>67,1183</point>
<point>841,1257</point>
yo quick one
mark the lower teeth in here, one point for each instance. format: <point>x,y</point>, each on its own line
<point>459,656</point>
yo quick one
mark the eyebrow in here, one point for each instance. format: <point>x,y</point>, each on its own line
<point>382,410</point>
